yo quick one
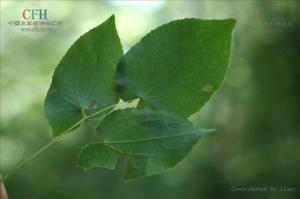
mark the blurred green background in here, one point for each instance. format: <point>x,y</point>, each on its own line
<point>257,111</point>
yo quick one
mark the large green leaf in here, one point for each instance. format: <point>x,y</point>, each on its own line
<point>153,141</point>
<point>83,82</point>
<point>177,66</point>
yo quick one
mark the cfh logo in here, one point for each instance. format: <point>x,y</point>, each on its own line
<point>34,14</point>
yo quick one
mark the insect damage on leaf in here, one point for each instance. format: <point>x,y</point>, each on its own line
<point>208,88</point>
<point>92,104</point>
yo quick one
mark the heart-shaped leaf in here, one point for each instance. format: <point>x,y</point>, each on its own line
<point>178,66</point>
<point>153,141</point>
<point>83,82</point>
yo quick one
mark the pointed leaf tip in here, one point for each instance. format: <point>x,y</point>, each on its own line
<point>81,80</point>
<point>208,131</point>
<point>111,18</point>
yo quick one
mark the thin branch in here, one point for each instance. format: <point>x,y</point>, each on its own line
<point>42,149</point>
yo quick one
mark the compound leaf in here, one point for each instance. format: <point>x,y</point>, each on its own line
<point>83,82</point>
<point>178,66</point>
<point>153,141</point>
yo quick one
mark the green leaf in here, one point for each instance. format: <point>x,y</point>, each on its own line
<point>153,141</point>
<point>178,66</point>
<point>83,82</point>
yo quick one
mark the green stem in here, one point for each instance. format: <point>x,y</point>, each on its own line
<point>24,162</point>
<point>27,160</point>
<point>21,164</point>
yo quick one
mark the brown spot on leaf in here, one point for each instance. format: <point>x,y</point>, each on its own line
<point>92,104</point>
<point>208,88</point>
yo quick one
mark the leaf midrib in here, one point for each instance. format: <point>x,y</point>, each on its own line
<point>147,139</point>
